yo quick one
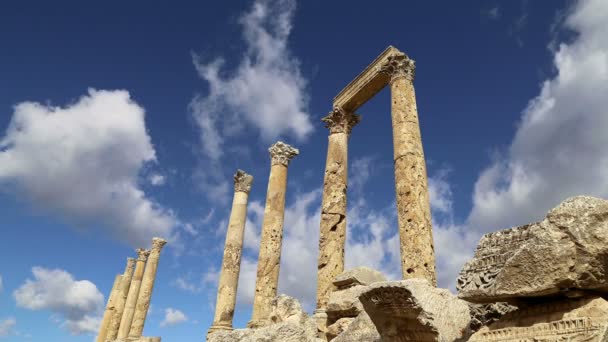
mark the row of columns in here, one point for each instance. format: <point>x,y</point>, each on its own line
<point>269,258</point>
<point>129,300</point>
<point>413,207</point>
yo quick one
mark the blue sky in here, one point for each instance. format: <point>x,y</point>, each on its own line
<point>122,121</point>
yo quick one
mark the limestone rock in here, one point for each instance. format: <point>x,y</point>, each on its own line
<point>576,320</point>
<point>288,323</point>
<point>361,329</point>
<point>564,253</point>
<point>413,310</point>
<point>339,327</point>
<point>345,303</point>
<point>486,314</point>
<point>358,276</point>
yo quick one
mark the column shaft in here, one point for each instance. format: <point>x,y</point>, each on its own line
<point>145,292</point>
<point>109,312</point>
<point>130,303</point>
<point>269,259</point>
<point>413,207</point>
<point>231,263</point>
<point>332,235</point>
<point>121,299</point>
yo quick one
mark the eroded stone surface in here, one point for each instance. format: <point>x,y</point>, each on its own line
<point>345,303</point>
<point>110,309</point>
<point>269,258</point>
<point>358,276</point>
<point>121,300</point>
<point>338,327</point>
<point>564,253</point>
<point>575,320</point>
<point>131,302</point>
<point>361,329</point>
<point>486,314</point>
<point>414,310</point>
<point>290,324</point>
<point>231,262</point>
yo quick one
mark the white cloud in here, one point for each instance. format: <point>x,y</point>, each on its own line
<point>266,90</point>
<point>82,162</point>
<point>78,302</point>
<point>173,317</point>
<point>157,179</point>
<point>7,325</point>
<point>559,148</point>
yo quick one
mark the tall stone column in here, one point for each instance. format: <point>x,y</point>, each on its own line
<point>333,209</point>
<point>121,299</point>
<point>145,292</point>
<point>109,312</point>
<point>413,207</point>
<point>269,259</point>
<point>231,264</point>
<point>129,310</point>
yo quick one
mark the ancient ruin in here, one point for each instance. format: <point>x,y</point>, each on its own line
<point>231,263</point>
<point>130,297</point>
<point>269,260</point>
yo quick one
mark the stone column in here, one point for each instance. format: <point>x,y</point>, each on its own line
<point>272,234</point>
<point>129,310</point>
<point>332,235</point>
<point>413,207</point>
<point>121,299</point>
<point>109,312</point>
<point>145,292</point>
<point>231,264</point>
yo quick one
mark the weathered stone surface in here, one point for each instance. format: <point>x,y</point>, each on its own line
<point>145,292</point>
<point>339,327</point>
<point>289,324</point>
<point>231,262</point>
<point>110,309</point>
<point>486,314</point>
<point>576,320</point>
<point>414,310</point>
<point>358,276</point>
<point>413,206</point>
<point>121,300</point>
<point>565,253</point>
<point>361,329</point>
<point>131,302</point>
<point>269,258</point>
<point>332,235</point>
<point>345,303</point>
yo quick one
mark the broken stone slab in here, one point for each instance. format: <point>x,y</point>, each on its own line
<point>414,310</point>
<point>358,276</point>
<point>338,327</point>
<point>287,309</point>
<point>564,254</point>
<point>581,319</point>
<point>345,303</point>
<point>360,329</point>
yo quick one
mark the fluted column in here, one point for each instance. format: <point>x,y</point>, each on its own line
<point>332,235</point>
<point>129,310</point>
<point>272,234</point>
<point>231,263</point>
<point>109,312</point>
<point>145,292</point>
<point>413,207</point>
<point>121,299</point>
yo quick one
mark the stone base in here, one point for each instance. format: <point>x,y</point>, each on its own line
<point>218,327</point>
<point>320,318</point>
<point>584,319</point>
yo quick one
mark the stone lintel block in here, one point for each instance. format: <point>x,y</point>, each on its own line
<point>358,276</point>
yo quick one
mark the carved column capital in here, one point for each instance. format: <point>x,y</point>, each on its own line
<point>341,121</point>
<point>158,243</point>
<point>282,153</point>
<point>142,254</point>
<point>399,65</point>
<point>242,181</point>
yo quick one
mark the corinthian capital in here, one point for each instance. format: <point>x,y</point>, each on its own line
<point>142,254</point>
<point>399,65</point>
<point>281,153</point>
<point>158,243</point>
<point>242,181</point>
<point>341,121</point>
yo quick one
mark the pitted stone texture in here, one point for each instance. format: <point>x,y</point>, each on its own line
<point>345,303</point>
<point>110,309</point>
<point>338,327</point>
<point>269,258</point>
<point>414,310</point>
<point>291,324</point>
<point>565,253</point>
<point>361,329</point>
<point>576,320</point>
<point>121,299</point>
<point>358,276</point>
<point>233,248</point>
<point>486,314</point>
<point>131,302</point>
<point>413,206</point>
